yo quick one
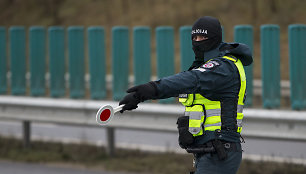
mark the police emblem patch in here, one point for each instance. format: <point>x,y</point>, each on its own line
<point>210,64</point>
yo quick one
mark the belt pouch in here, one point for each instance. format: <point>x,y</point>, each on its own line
<point>185,137</point>
<point>219,147</point>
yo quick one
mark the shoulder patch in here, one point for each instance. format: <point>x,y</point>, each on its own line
<point>200,69</point>
<point>211,64</point>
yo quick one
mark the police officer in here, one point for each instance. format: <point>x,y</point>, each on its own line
<point>213,91</point>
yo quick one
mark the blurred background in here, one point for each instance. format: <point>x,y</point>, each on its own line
<point>175,13</point>
<point>55,126</point>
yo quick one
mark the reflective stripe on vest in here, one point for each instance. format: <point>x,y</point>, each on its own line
<point>197,105</point>
<point>241,95</point>
<point>196,119</point>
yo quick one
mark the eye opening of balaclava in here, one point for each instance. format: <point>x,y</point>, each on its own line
<point>209,27</point>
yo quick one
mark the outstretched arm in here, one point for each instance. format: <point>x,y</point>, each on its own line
<point>204,80</point>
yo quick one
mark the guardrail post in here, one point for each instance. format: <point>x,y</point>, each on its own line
<point>187,55</point>
<point>26,134</point>
<point>97,67</point>
<point>110,149</point>
<point>37,60</point>
<point>165,54</point>
<point>3,61</point>
<point>244,34</point>
<point>120,58</point>
<point>57,61</point>
<point>142,55</point>
<point>270,61</point>
<point>297,57</point>
<point>18,60</point>
<point>76,61</point>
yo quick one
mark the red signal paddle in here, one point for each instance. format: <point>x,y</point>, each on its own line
<point>105,113</point>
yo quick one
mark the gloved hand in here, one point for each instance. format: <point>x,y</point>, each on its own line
<point>130,102</point>
<point>145,91</point>
<point>138,94</point>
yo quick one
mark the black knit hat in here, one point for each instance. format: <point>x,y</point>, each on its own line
<point>207,26</point>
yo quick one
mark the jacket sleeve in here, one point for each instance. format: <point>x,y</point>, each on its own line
<point>213,79</point>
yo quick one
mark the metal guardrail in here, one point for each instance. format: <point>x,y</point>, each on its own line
<point>258,123</point>
<point>257,83</point>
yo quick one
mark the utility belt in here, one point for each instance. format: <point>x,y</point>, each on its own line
<point>209,147</point>
<point>186,141</point>
<point>215,146</point>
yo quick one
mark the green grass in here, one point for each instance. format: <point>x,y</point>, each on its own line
<point>94,157</point>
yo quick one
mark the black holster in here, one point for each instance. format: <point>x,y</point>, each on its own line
<point>215,146</point>
<point>220,149</point>
<point>185,137</point>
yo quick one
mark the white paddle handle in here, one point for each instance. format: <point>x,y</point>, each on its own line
<point>118,108</point>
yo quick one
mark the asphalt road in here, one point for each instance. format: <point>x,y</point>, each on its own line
<point>154,141</point>
<point>26,168</point>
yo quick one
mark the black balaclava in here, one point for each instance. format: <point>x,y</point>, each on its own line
<point>209,27</point>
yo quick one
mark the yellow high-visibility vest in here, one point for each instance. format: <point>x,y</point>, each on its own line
<point>196,106</point>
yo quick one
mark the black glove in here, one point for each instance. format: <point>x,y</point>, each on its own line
<point>130,102</point>
<point>145,91</point>
<point>138,94</point>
